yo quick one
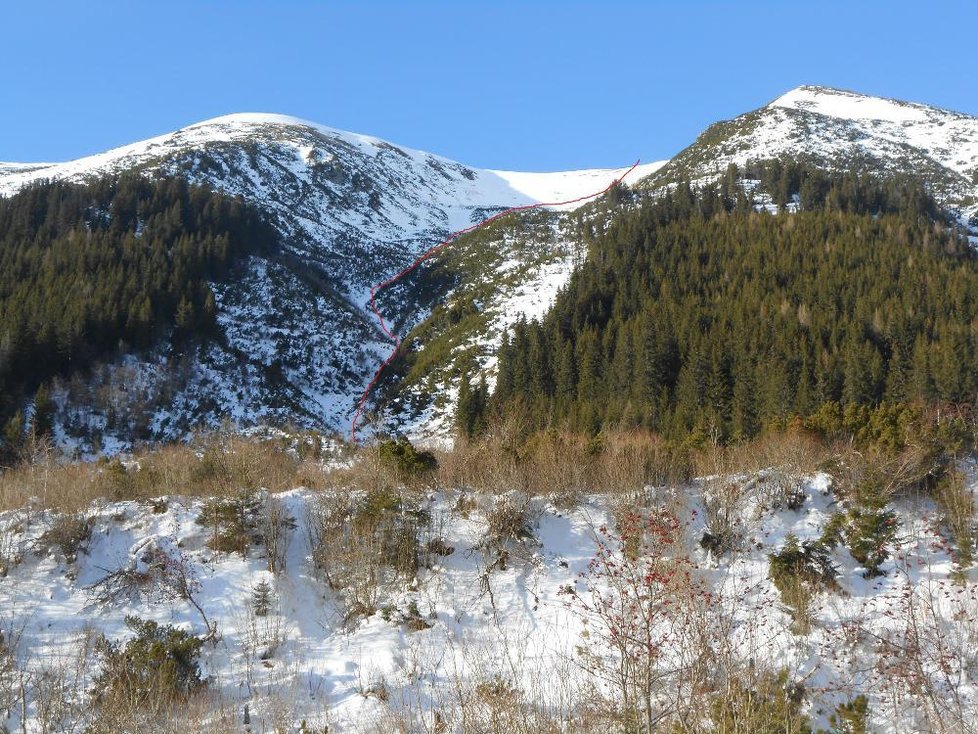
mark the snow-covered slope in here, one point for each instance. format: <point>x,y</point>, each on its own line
<point>570,185</point>
<point>433,646</point>
<point>845,130</point>
<point>328,185</point>
<point>352,210</point>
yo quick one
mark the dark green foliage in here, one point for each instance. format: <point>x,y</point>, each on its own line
<point>233,520</point>
<point>405,461</point>
<point>893,426</point>
<point>832,533</point>
<point>85,268</point>
<point>159,662</point>
<point>870,533</point>
<point>799,571</point>
<point>42,420</point>
<point>262,598</point>
<point>13,437</point>
<point>807,560</point>
<point>472,408</point>
<point>817,189</point>
<point>866,531</point>
<point>695,315</point>
<point>851,717</point>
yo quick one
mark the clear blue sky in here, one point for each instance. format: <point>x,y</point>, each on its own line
<point>505,84</point>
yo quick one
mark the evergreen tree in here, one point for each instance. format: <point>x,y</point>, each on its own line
<point>262,598</point>
<point>85,268</point>
<point>693,312</point>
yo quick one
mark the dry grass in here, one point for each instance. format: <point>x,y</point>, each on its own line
<point>218,466</point>
<point>558,464</point>
<point>563,464</point>
<point>957,505</point>
<point>794,451</point>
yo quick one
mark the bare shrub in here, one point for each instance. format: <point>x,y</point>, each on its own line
<point>629,461</point>
<point>510,519</point>
<point>793,452</point>
<point>68,533</point>
<point>58,691</point>
<point>875,477</point>
<point>364,544</point>
<point>11,546</point>
<point>562,464</point>
<point>265,626</point>
<point>156,573</point>
<point>724,508</point>
<point>638,608</point>
<point>276,526</point>
<point>957,504</point>
<point>924,651</point>
<point>9,642</point>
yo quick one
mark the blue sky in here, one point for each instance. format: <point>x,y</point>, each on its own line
<point>526,85</point>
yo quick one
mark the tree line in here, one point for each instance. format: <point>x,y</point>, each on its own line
<point>696,314</point>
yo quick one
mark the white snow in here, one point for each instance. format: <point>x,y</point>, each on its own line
<point>486,189</point>
<point>526,632</point>
<point>567,185</point>
<point>851,106</point>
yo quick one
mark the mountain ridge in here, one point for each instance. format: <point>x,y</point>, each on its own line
<point>352,209</point>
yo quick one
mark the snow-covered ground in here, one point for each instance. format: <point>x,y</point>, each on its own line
<point>569,185</point>
<point>469,624</point>
<point>951,138</point>
<point>845,130</point>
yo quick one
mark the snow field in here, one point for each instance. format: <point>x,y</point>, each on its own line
<point>470,636</point>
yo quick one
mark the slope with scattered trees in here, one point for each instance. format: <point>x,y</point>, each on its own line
<point>695,312</point>
<point>91,270</point>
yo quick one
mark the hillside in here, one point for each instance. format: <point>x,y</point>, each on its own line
<point>382,609</point>
<point>350,210</point>
<point>300,343</point>
<point>843,131</point>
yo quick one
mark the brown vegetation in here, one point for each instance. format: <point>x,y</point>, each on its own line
<point>215,466</point>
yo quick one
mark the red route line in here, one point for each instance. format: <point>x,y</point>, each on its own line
<point>432,251</point>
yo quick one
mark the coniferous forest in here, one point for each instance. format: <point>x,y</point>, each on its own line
<point>695,314</point>
<point>89,270</point>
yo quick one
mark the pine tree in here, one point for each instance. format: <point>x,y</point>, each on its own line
<point>13,436</point>
<point>43,420</point>
<point>262,598</point>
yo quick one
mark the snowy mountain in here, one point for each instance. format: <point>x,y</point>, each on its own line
<point>352,210</point>
<point>844,130</point>
<point>301,342</point>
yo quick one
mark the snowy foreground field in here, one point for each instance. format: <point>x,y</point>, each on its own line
<point>454,612</point>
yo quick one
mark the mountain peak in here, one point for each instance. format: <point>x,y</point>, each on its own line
<point>848,105</point>
<point>255,118</point>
